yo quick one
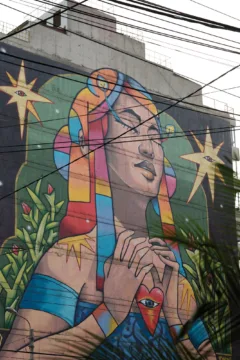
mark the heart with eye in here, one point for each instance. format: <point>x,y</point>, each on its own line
<point>150,304</point>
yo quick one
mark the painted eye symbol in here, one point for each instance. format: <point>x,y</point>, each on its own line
<point>149,303</point>
<point>208,158</point>
<point>20,93</point>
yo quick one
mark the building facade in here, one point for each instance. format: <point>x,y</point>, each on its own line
<point>108,192</point>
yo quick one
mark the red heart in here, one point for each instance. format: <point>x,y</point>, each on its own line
<point>150,305</point>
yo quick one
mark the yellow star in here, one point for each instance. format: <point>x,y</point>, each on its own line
<point>207,160</point>
<point>74,243</point>
<point>23,95</point>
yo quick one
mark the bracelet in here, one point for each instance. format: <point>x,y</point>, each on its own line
<point>175,331</point>
<point>105,320</point>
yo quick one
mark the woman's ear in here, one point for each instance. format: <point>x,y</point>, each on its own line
<point>83,145</point>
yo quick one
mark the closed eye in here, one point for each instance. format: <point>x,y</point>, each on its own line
<point>154,134</point>
<point>149,303</point>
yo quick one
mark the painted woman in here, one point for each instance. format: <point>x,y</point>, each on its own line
<point>108,278</point>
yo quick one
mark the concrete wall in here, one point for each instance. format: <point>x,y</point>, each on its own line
<point>93,48</point>
<point>145,182</point>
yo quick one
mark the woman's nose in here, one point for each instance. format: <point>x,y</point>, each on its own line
<point>146,149</point>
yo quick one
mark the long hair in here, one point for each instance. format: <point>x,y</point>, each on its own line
<point>89,189</point>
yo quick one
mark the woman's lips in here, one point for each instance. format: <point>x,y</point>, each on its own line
<point>148,169</point>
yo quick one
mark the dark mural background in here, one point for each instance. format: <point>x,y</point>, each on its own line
<point>36,95</point>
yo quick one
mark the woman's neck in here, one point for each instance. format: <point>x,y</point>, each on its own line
<point>129,210</point>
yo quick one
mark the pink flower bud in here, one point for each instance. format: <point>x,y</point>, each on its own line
<point>26,208</point>
<point>50,189</point>
<point>15,249</point>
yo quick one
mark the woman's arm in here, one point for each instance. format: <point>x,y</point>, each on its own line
<point>176,311</point>
<point>55,332</point>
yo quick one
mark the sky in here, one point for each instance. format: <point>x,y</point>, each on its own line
<point>200,67</point>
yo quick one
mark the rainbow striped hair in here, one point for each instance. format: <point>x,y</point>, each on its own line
<point>89,190</point>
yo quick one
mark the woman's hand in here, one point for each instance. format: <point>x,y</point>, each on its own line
<point>167,275</point>
<point>124,273</point>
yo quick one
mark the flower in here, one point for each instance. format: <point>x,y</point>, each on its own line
<point>50,189</point>
<point>26,208</point>
<point>15,249</point>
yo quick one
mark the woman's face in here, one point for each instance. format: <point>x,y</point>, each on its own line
<point>136,158</point>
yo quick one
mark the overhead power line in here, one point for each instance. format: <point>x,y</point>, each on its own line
<point>12,33</point>
<point>124,52</point>
<point>178,15</point>
<point>89,76</point>
<point>124,133</point>
<point>236,51</point>
<point>114,21</point>
<point>217,11</point>
<point>157,18</point>
<point>160,44</point>
<point>133,139</point>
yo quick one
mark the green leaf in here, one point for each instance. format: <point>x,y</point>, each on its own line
<point>52,225</point>
<point>37,201</point>
<point>38,187</point>
<point>4,283</point>
<point>19,276</point>
<point>51,198</point>
<point>58,206</point>
<point>29,268</point>
<point>6,270</point>
<point>13,263</point>
<point>190,270</point>
<point>40,233</point>
<point>19,234</point>
<point>26,217</point>
<point>33,236</point>
<point>29,244</point>
<point>9,317</point>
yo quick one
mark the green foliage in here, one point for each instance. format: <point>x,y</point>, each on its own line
<point>208,278</point>
<point>21,254</point>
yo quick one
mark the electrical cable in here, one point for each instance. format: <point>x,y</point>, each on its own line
<point>164,11</point>
<point>78,19</point>
<point>135,127</point>
<point>160,44</point>
<point>219,12</point>
<point>156,65</point>
<point>164,34</point>
<point>40,22</point>
<point>153,17</point>
<point>92,77</point>
<point>140,138</point>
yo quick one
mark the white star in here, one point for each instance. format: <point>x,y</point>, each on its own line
<point>39,146</point>
<point>221,206</point>
<point>3,50</point>
<point>1,183</point>
<point>186,219</point>
<point>87,221</point>
<point>57,111</point>
<point>29,227</point>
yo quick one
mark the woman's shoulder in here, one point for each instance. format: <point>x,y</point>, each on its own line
<point>69,261</point>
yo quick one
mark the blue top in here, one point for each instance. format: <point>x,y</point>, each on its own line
<point>130,338</point>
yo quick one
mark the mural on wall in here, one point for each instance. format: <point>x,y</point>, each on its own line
<point>103,199</point>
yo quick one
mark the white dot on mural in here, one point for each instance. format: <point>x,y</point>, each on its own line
<point>186,220</point>
<point>57,111</point>
<point>3,50</point>
<point>39,146</point>
<point>87,220</point>
<point>29,227</point>
<point>1,183</point>
<point>221,206</point>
